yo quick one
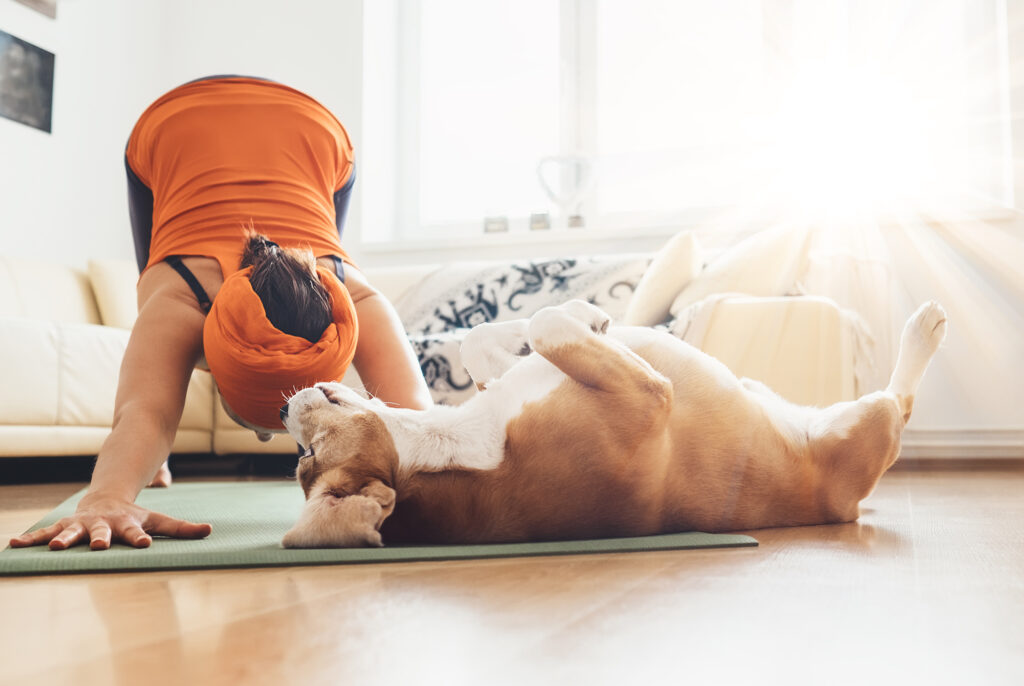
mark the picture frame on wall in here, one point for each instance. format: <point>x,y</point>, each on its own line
<point>47,7</point>
<point>26,82</point>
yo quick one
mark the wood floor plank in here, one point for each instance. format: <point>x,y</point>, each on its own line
<point>926,588</point>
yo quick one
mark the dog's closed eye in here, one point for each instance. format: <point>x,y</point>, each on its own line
<point>331,396</point>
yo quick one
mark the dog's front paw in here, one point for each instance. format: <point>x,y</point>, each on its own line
<point>591,315</point>
<point>490,350</point>
<point>572,321</point>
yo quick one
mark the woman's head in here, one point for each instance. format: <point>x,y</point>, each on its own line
<point>277,325</point>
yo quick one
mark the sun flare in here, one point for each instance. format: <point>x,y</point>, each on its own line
<point>857,142</point>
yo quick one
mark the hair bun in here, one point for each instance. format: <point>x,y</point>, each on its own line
<point>257,248</point>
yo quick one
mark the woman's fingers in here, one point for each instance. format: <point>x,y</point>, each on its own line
<point>162,525</point>
<point>135,527</point>
<point>39,536</point>
<point>72,534</point>
<point>99,536</point>
<point>133,535</point>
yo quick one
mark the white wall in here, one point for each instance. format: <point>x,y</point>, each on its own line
<point>312,45</point>
<point>63,194</point>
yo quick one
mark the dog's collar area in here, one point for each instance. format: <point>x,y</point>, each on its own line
<point>305,452</point>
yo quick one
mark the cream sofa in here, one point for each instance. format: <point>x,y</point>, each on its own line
<point>63,332</point>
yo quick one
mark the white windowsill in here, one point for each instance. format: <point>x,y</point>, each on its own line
<point>561,241</point>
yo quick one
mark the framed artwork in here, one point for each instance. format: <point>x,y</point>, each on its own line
<point>26,82</point>
<point>47,7</point>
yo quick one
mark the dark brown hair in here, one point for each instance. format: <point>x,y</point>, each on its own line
<point>285,280</point>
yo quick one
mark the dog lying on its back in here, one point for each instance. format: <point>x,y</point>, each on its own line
<point>582,431</point>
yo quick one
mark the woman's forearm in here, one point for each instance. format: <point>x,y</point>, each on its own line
<point>384,359</point>
<point>162,351</point>
<point>138,444</point>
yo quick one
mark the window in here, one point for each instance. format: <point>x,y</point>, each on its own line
<point>635,114</point>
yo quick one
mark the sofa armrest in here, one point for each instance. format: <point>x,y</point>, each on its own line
<point>800,347</point>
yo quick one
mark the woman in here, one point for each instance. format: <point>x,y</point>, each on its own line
<point>238,189</point>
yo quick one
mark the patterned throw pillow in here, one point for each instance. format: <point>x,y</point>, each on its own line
<point>438,311</point>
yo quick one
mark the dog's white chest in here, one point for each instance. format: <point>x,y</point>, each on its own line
<point>472,436</point>
<point>529,381</point>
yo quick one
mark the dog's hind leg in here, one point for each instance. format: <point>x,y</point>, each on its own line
<point>856,442</point>
<point>922,335</point>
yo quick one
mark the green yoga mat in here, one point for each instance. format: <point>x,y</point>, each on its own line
<point>250,517</point>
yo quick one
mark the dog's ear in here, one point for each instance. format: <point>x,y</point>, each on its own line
<point>384,495</point>
<point>332,521</point>
<point>328,521</point>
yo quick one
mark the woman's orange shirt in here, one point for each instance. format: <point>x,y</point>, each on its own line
<point>222,153</point>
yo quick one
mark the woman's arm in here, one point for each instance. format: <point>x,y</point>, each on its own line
<point>164,345</point>
<point>384,359</point>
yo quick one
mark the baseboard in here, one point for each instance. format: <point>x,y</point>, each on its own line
<point>963,443</point>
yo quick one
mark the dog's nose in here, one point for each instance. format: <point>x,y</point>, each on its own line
<point>284,412</point>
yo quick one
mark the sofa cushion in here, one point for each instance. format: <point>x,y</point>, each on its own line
<point>37,289</point>
<point>800,347</point>
<point>30,371</point>
<point>230,438</point>
<point>449,301</point>
<point>89,359</point>
<point>199,403</point>
<point>440,358</point>
<point>113,284</point>
<point>463,295</point>
<point>69,374</point>
<point>768,263</point>
<point>671,270</point>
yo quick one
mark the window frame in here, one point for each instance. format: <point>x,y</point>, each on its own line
<point>399,191</point>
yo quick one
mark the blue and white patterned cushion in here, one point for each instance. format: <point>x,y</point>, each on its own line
<point>439,310</point>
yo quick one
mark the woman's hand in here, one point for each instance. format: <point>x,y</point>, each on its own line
<point>100,519</point>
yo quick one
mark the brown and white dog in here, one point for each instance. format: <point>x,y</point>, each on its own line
<point>583,431</point>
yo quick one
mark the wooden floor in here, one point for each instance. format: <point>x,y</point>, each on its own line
<point>928,588</point>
